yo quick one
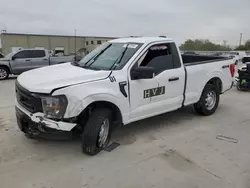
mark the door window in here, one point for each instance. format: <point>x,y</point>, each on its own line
<point>23,54</point>
<point>37,53</point>
<point>161,57</point>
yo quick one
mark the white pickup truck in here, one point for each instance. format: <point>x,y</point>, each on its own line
<point>121,81</point>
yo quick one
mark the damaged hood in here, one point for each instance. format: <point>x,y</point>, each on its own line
<point>44,80</point>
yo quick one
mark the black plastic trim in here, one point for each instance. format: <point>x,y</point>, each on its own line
<point>122,88</point>
<point>204,62</point>
<point>185,87</point>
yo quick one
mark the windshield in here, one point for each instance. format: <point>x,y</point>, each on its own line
<point>109,56</point>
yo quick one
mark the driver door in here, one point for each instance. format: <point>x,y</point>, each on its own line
<point>21,62</point>
<point>163,92</point>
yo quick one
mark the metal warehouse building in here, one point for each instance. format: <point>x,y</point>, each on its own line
<point>66,44</point>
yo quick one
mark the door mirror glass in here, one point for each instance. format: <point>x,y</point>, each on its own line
<point>142,73</point>
<point>13,58</point>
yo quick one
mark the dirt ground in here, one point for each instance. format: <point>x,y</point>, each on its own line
<point>178,149</point>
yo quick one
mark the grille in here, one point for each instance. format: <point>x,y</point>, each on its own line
<point>28,100</point>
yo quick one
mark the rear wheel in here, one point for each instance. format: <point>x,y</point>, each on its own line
<point>209,100</point>
<point>4,73</point>
<point>96,134</point>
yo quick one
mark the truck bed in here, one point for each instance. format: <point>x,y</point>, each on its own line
<point>200,59</point>
<point>206,67</point>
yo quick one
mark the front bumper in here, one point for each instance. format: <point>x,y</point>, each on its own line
<point>38,126</point>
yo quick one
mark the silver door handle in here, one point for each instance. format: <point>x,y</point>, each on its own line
<point>27,60</point>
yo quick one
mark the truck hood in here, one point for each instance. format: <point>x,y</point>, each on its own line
<point>44,80</point>
<point>4,59</point>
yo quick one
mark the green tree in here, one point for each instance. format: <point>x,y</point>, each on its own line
<point>246,46</point>
<point>203,45</point>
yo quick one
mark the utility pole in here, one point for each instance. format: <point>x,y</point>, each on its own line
<point>240,39</point>
<point>75,45</point>
<point>224,43</point>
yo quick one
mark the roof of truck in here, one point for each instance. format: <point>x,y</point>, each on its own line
<point>141,40</point>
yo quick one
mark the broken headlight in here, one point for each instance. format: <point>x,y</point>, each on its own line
<point>54,107</point>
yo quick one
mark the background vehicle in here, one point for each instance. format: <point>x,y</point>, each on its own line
<point>243,79</point>
<point>238,55</point>
<point>1,55</point>
<point>122,81</point>
<point>27,59</point>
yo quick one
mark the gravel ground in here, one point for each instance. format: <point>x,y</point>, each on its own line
<point>178,149</point>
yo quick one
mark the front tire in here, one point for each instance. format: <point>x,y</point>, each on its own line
<point>96,134</point>
<point>4,73</point>
<point>209,100</point>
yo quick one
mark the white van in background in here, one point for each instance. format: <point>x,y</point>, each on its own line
<point>238,55</point>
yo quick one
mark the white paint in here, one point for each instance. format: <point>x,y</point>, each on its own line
<point>16,49</point>
<point>88,86</point>
<point>44,80</point>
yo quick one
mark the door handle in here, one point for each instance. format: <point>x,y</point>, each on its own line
<point>225,66</point>
<point>45,59</point>
<point>173,79</point>
<point>27,60</point>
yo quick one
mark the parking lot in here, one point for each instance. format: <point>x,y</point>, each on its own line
<point>178,149</point>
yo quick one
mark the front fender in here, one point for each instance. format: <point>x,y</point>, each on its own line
<point>6,63</point>
<point>75,107</point>
<point>80,96</point>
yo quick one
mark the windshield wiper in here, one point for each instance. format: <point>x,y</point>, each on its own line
<point>95,57</point>
<point>88,67</point>
<point>119,59</point>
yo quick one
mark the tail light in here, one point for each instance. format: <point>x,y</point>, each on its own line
<point>232,69</point>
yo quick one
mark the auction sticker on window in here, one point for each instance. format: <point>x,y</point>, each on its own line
<point>130,45</point>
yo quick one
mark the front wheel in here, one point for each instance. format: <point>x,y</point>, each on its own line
<point>97,131</point>
<point>209,100</point>
<point>4,73</point>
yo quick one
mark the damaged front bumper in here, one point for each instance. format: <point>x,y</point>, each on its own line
<point>36,125</point>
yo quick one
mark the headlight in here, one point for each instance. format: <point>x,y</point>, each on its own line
<point>54,107</point>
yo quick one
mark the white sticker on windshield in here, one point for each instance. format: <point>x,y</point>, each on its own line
<point>130,45</point>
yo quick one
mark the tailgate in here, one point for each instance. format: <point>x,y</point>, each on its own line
<point>228,72</point>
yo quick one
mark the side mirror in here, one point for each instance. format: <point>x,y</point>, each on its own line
<point>142,73</point>
<point>245,59</point>
<point>13,58</point>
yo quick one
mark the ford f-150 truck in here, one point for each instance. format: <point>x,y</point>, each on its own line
<point>27,59</point>
<point>121,81</point>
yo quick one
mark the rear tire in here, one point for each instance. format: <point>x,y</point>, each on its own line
<point>209,100</point>
<point>4,73</point>
<point>97,131</point>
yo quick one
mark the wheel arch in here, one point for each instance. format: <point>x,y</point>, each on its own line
<point>86,113</point>
<point>217,82</point>
<point>7,67</point>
